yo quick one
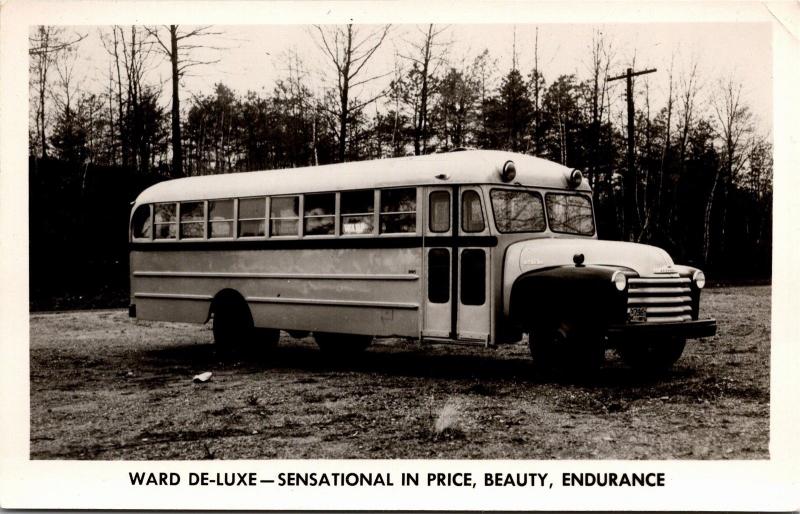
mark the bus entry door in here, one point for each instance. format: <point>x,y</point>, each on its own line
<point>438,265</point>
<point>473,316</point>
<point>456,265</point>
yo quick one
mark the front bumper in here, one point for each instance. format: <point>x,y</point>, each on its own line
<point>685,329</point>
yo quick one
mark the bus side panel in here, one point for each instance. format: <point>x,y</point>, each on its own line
<point>349,320</point>
<point>161,301</point>
<point>159,309</point>
<point>362,291</point>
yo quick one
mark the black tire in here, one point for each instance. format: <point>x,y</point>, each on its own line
<point>299,334</point>
<point>566,347</point>
<point>545,343</point>
<point>657,355</point>
<point>234,329</point>
<point>342,344</point>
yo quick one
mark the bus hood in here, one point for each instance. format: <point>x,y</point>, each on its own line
<point>543,253</point>
<point>535,254</point>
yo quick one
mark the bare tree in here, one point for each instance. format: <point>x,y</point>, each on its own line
<point>68,88</point>
<point>734,125</point>
<point>397,91</point>
<point>349,50</point>
<point>689,89</point>
<point>179,47</point>
<point>65,94</point>
<point>537,84</point>
<point>136,51</point>
<point>482,71</point>
<point>45,45</point>
<point>424,67</point>
<point>111,43</point>
<point>686,100</point>
<point>602,55</point>
<point>665,151</point>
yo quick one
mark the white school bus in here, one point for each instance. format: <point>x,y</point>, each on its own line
<point>469,246</point>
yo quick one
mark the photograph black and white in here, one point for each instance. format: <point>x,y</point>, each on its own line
<point>296,241</point>
<point>584,209</point>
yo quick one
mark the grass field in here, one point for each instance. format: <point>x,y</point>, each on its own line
<point>106,387</point>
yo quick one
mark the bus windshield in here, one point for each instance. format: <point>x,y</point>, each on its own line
<point>517,211</point>
<point>570,214</point>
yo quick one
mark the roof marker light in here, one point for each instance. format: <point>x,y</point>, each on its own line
<point>575,178</point>
<point>508,172</point>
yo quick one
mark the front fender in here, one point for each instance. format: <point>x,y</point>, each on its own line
<point>580,293</point>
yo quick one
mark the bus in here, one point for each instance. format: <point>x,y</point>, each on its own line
<point>472,246</point>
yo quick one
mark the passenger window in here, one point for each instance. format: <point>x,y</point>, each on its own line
<point>439,275</point>
<point>165,222</point>
<point>471,212</point>
<point>319,212</point>
<point>398,210</point>
<point>192,220</point>
<point>358,209</point>
<point>284,216</point>
<point>473,277</point>
<point>252,217</point>
<point>141,226</point>
<point>220,218</point>
<point>439,208</point>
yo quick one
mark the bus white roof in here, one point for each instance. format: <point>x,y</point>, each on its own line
<point>462,167</point>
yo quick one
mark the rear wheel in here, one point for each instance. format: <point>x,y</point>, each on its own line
<point>660,354</point>
<point>234,329</point>
<point>342,344</point>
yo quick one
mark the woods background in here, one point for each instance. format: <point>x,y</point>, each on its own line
<point>701,188</point>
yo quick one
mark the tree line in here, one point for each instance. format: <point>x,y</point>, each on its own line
<point>703,172</point>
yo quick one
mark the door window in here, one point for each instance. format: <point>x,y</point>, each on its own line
<point>471,212</point>
<point>439,208</point>
<point>438,275</point>
<point>473,277</point>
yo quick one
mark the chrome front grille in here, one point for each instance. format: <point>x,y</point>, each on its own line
<point>666,299</point>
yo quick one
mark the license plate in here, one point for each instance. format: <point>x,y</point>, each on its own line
<point>637,314</point>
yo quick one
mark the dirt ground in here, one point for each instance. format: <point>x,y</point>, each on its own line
<point>107,387</point>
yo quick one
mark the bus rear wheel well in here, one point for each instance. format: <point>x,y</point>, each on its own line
<point>226,298</point>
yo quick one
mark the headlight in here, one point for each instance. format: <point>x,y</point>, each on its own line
<point>699,279</point>
<point>620,280</point>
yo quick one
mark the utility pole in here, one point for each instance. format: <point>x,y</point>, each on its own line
<point>629,183</point>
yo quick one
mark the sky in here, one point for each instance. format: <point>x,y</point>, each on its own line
<point>254,57</point>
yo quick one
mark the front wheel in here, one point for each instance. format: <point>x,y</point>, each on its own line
<point>342,344</point>
<point>660,354</point>
<point>566,346</point>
